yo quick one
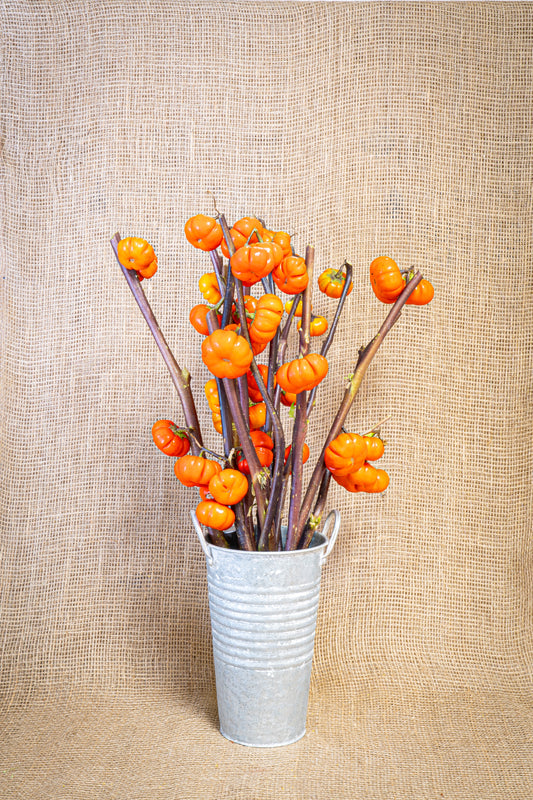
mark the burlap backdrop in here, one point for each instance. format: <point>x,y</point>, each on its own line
<point>363,129</point>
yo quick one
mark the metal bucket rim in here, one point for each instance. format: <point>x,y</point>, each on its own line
<point>313,547</point>
<point>323,548</point>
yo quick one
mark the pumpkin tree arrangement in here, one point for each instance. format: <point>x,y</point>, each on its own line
<point>257,291</point>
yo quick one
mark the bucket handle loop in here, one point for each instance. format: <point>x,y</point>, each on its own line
<point>334,517</point>
<point>199,531</point>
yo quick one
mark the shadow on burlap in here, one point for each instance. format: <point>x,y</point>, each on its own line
<point>364,129</point>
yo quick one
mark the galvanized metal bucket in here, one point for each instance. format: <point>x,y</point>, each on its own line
<point>263,609</point>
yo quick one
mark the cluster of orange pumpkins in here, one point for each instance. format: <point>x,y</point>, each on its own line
<point>348,459</point>
<point>260,253</point>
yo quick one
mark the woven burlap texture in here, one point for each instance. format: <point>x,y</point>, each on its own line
<point>363,129</point>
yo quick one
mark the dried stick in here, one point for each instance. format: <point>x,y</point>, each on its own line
<point>284,338</point>
<point>366,355</point>
<point>241,423</point>
<point>216,261</point>
<point>282,346</point>
<point>180,377</point>
<point>243,527</point>
<point>256,470</point>
<point>227,430</point>
<point>228,299</point>
<point>244,398</point>
<point>272,362</point>
<point>300,422</point>
<point>333,328</point>
<point>266,540</point>
<point>256,473</point>
<point>314,519</point>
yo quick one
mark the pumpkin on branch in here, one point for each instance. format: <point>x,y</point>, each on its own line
<point>281,238</point>
<point>213,401</point>
<point>345,454</point>
<point>228,486</point>
<point>268,314</point>
<point>257,415</point>
<point>375,447</point>
<point>388,283</point>
<point>317,327</point>
<point>170,439</point>
<point>226,354</point>
<point>302,374</point>
<point>250,305</point>
<point>287,398</point>
<point>195,470</point>
<point>253,390</point>
<point>298,310</point>
<point>305,452</point>
<point>215,515</point>
<point>136,253</point>
<point>386,279</point>
<point>422,295</point>
<point>331,282</point>
<point>366,479</point>
<point>208,286</point>
<point>245,230</point>
<point>365,475</point>
<point>380,484</point>
<point>252,262</point>
<point>291,275</point>
<point>198,318</point>
<point>264,447</point>
<point>203,232</point>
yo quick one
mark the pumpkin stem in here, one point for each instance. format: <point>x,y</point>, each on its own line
<point>374,430</point>
<point>217,212</point>
<point>183,433</point>
<point>256,232</point>
<point>205,451</point>
<point>340,272</point>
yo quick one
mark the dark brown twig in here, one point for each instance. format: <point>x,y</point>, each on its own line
<point>282,346</point>
<point>333,327</point>
<point>300,422</point>
<point>265,513</point>
<point>216,261</point>
<point>241,426</point>
<point>268,540</point>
